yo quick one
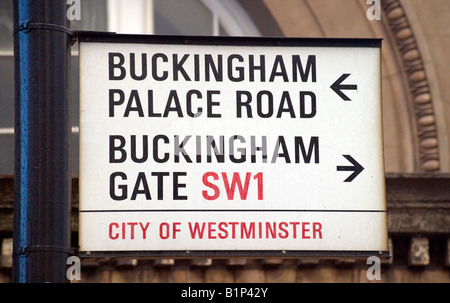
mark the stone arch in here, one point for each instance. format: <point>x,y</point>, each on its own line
<point>418,84</point>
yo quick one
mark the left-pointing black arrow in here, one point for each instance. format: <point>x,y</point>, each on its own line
<point>338,87</point>
<point>356,168</point>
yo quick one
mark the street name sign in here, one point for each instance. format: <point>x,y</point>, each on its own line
<point>219,146</point>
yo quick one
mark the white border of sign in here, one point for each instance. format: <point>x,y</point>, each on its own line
<point>344,211</point>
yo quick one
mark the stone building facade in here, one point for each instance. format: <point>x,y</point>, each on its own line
<point>416,123</point>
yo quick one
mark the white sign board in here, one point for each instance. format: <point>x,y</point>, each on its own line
<point>231,147</point>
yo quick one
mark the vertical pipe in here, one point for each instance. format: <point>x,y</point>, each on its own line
<point>42,143</point>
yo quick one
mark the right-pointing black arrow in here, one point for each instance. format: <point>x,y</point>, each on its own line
<point>337,86</point>
<point>356,168</point>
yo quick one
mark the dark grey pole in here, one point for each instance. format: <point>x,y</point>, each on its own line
<point>42,141</point>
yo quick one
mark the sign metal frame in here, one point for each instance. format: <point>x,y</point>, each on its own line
<point>338,87</point>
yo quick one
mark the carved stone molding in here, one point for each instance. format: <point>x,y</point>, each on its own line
<point>418,85</point>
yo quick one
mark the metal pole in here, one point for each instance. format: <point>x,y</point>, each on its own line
<point>42,141</point>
